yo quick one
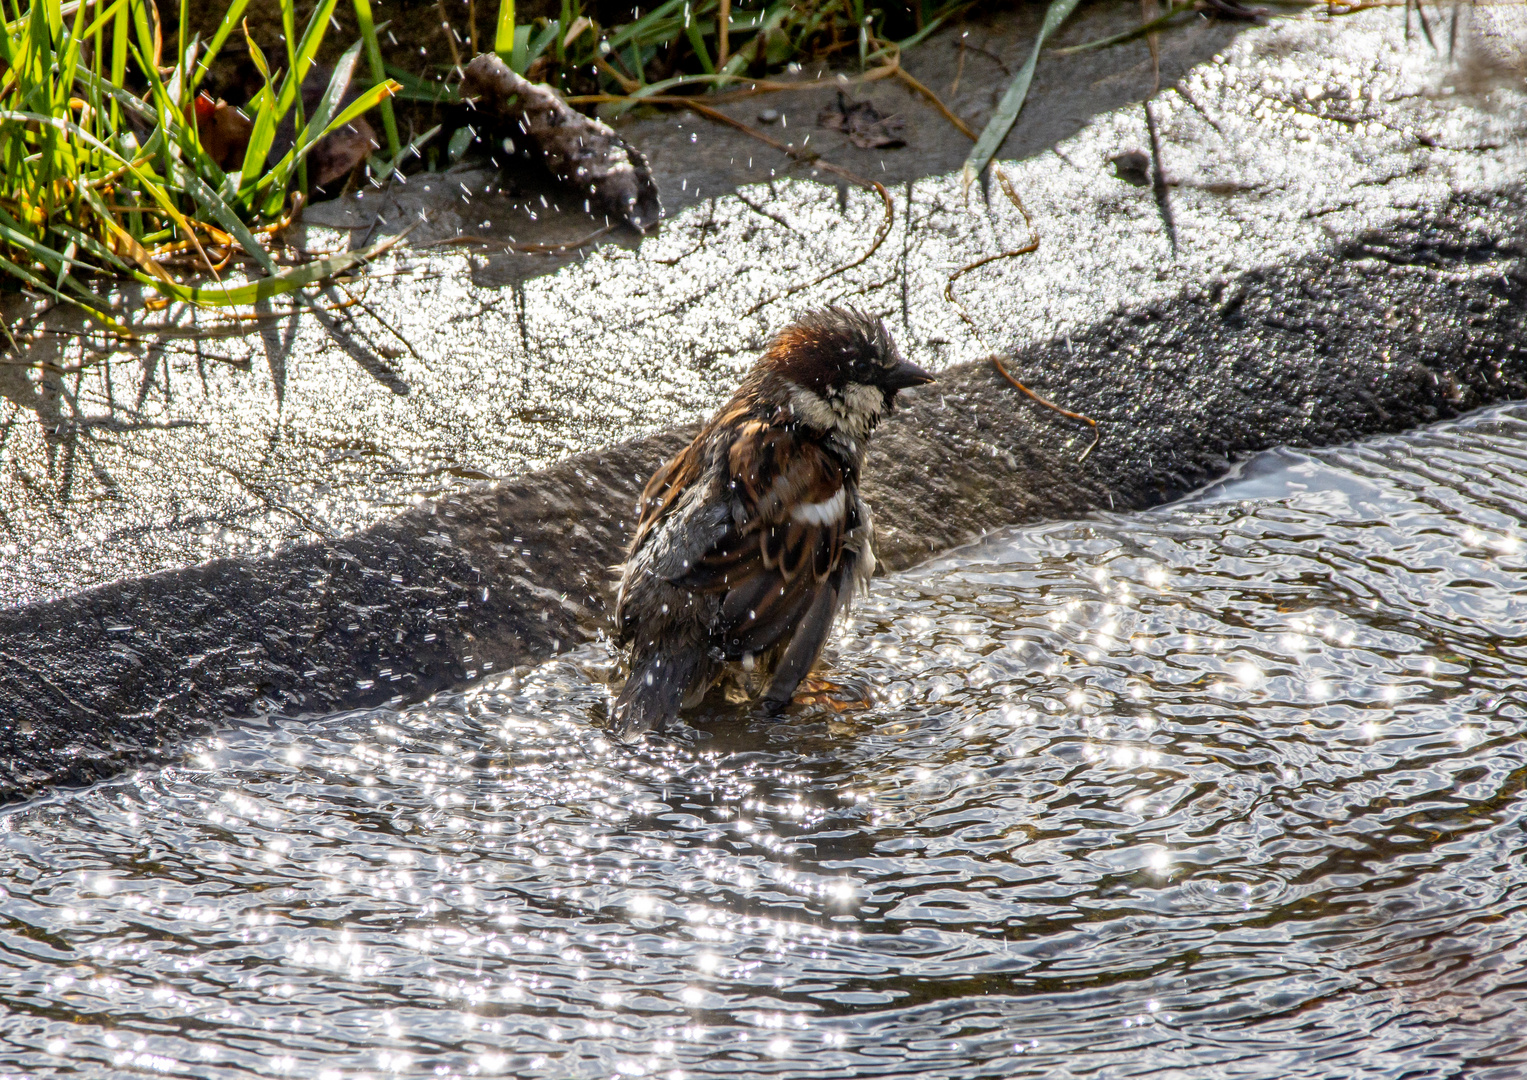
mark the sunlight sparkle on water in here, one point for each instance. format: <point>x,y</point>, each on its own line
<point>485,884</point>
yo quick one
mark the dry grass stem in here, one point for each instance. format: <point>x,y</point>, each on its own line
<point>995,358</point>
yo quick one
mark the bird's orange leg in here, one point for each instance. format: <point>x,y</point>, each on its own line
<point>848,696</point>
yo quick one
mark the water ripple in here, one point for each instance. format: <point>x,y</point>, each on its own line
<point>1227,789</point>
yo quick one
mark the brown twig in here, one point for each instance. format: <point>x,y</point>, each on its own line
<point>723,31</point>
<point>277,226</point>
<point>705,227</point>
<point>753,89</point>
<point>369,310</point>
<point>1153,39</point>
<point>884,231</point>
<point>996,359</point>
<point>630,86</point>
<point>933,99</point>
<point>890,69</point>
<point>160,303</point>
<point>1089,421</point>
<point>452,241</point>
<point>892,53</point>
<point>450,35</point>
<point>552,249</point>
<point>168,259</point>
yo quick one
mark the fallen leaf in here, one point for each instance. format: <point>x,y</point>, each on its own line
<point>222,130</point>
<point>341,151</point>
<point>582,152</point>
<point>864,125</point>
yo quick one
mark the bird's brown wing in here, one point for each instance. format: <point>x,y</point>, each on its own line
<point>676,476</point>
<point>665,488</point>
<point>790,512</point>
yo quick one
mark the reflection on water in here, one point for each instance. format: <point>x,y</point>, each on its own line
<point>1226,789</point>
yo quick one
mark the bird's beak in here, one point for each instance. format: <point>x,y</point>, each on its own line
<point>906,374</point>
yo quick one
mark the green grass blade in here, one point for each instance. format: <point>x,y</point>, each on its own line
<point>111,258</point>
<point>67,264</point>
<point>224,215</point>
<point>312,39</point>
<point>387,168</point>
<point>641,26</point>
<point>918,38</point>
<point>413,88</point>
<point>537,44</point>
<point>288,23</point>
<point>287,280</point>
<point>379,71</point>
<point>744,55</point>
<point>59,124</point>
<point>119,33</point>
<point>42,286</point>
<point>40,55</point>
<point>503,35</point>
<point>1173,10</point>
<point>367,101</point>
<point>167,132</point>
<point>144,41</point>
<point>72,53</point>
<point>107,13</point>
<point>271,105</point>
<point>130,102</point>
<point>180,33</point>
<point>12,232</point>
<point>697,42</point>
<point>284,280</point>
<point>18,237</point>
<point>324,120</point>
<point>263,105</point>
<point>176,90</point>
<point>1006,116</point>
<point>229,24</point>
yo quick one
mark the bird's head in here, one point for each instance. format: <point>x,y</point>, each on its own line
<point>840,369</point>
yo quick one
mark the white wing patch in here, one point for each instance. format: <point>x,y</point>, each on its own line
<point>825,512</point>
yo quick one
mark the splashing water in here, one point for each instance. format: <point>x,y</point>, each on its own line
<point>1230,788</point>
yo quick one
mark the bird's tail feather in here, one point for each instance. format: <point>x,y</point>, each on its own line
<point>653,694</point>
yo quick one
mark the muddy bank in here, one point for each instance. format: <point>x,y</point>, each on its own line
<point>1397,327</point>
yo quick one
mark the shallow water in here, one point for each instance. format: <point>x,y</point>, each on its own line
<point>1230,788</point>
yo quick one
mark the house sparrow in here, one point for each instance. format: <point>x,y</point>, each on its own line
<point>754,538</point>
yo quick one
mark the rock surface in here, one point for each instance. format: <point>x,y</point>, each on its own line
<point>1334,247</point>
<point>1419,322</point>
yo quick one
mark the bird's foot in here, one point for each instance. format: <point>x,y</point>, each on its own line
<point>847,696</point>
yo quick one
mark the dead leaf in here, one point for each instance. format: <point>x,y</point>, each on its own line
<point>865,127</point>
<point>341,151</point>
<point>222,130</point>
<point>582,152</point>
